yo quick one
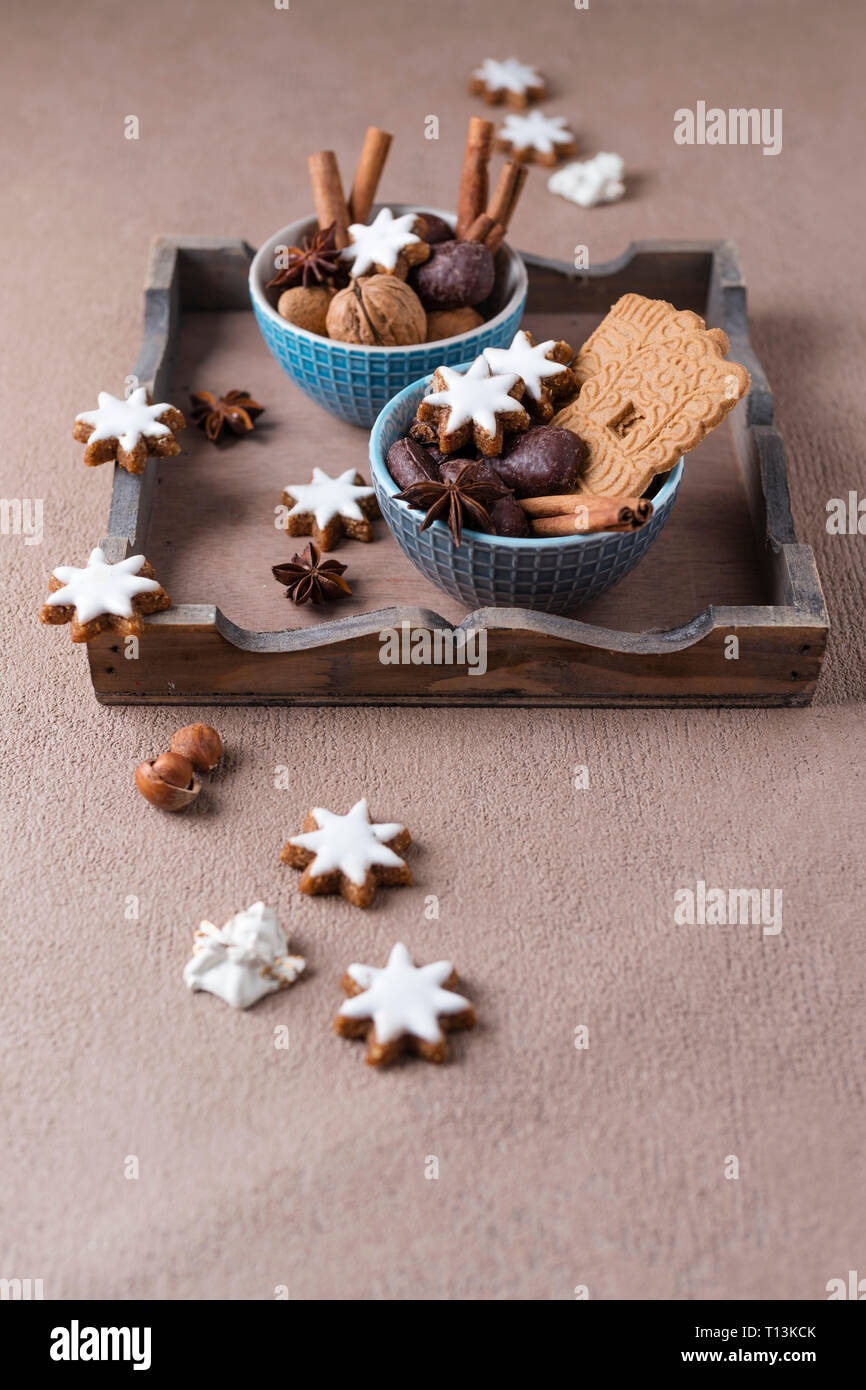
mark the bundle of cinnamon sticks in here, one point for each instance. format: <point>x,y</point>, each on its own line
<point>575,513</point>
<point>328,196</point>
<point>480,215</point>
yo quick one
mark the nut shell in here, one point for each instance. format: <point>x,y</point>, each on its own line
<point>167,782</point>
<point>200,743</point>
<point>377,310</point>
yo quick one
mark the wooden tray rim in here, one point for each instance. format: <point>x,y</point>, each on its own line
<point>796,575</point>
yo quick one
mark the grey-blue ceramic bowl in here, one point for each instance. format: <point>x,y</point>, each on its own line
<point>354,381</point>
<point>553,575</point>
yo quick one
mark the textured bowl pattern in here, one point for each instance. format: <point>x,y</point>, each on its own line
<point>355,382</point>
<point>550,576</point>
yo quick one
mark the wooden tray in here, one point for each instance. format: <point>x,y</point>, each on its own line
<point>728,563</point>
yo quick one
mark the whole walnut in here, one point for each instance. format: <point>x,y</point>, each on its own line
<point>378,310</point>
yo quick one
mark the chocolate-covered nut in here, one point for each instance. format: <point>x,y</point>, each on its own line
<point>458,273</point>
<point>509,518</point>
<point>542,462</point>
<point>449,470</point>
<point>409,462</point>
<point>437,229</point>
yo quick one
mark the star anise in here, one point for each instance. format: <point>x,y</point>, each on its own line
<point>236,411</point>
<point>311,264</point>
<point>461,502</point>
<point>309,578</point>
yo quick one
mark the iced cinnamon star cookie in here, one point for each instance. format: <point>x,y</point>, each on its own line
<point>388,246</point>
<point>244,960</point>
<point>474,407</point>
<point>328,508</point>
<point>348,854</point>
<point>542,367</point>
<point>508,80</point>
<point>102,596</point>
<point>536,137</point>
<point>128,430</point>
<point>402,1007</point>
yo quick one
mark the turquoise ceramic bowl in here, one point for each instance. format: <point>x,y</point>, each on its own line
<point>551,576</point>
<point>356,382</point>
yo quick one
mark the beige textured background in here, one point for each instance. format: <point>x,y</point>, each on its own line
<point>303,1168</point>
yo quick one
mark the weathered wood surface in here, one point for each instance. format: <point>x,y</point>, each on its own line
<point>530,659</point>
<point>195,653</point>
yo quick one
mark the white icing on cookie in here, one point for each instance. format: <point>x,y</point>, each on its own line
<point>535,131</point>
<point>528,362</point>
<point>100,587</point>
<point>349,844</point>
<point>126,421</point>
<point>475,395</point>
<point>328,497</point>
<point>403,998</point>
<point>590,181</point>
<point>243,960</point>
<point>507,75</point>
<point>381,242</point>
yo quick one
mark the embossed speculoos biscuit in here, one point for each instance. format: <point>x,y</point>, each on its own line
<point>654,382</point>
<point>474,406</point>
<point>102,597</point>
<point>128,431</point>
<point>402,1008</point>
<point>633,322</point>
<point>349,855</point>
<point>328,508</point>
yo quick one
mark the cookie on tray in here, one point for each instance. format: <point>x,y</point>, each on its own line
<point>102,597</point>
<point>329,508</point>
<point>128,431</point>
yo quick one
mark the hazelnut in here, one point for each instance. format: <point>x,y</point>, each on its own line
<point>167,782</point>
<point>199,743</point>
<point>448,323</point>
<point>377,310</point>
<point>306,308</point>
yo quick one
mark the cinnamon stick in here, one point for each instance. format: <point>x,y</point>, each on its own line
<point>583,514</point>
<point>474,180</point>
<point>374,152</point>
<point>508,188</point>
<point>480,229</point>
<point>495,238</point>
<point>328,197</point>
<point>566,503</point>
